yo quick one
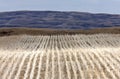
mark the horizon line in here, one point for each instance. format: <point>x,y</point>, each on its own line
<point>60,11</point>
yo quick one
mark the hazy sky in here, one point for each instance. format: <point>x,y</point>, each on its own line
<point>94,6</point>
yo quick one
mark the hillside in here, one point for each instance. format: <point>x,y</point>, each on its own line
<point>58,20</point>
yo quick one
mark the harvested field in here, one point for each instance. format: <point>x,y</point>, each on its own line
<point>76,56</point>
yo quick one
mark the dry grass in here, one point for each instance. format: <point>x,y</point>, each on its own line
<point>60,57</point>
<point>39,31</point>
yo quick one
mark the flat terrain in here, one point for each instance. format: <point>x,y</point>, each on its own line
<point>38,31</point>
<point>76,56</point>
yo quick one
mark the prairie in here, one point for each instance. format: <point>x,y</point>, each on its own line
<point>77,56</point>
<point>47,31</point>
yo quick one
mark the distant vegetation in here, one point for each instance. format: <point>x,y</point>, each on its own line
<point>36,31</point>
<point>58,20</point>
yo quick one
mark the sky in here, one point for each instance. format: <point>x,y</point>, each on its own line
<point>93,6</point>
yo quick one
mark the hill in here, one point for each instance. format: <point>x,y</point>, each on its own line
<point>58,20</point>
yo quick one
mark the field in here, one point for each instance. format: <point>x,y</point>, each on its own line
<point>78,56</point>
<point>46,31</point>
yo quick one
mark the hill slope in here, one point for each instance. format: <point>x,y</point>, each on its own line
<point>56,19</point>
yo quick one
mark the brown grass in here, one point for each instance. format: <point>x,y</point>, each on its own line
<point>39,31</point>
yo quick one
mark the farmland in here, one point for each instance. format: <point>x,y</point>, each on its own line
<point>77,56</point>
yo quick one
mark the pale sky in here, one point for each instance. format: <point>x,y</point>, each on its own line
<point>93,6</point>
